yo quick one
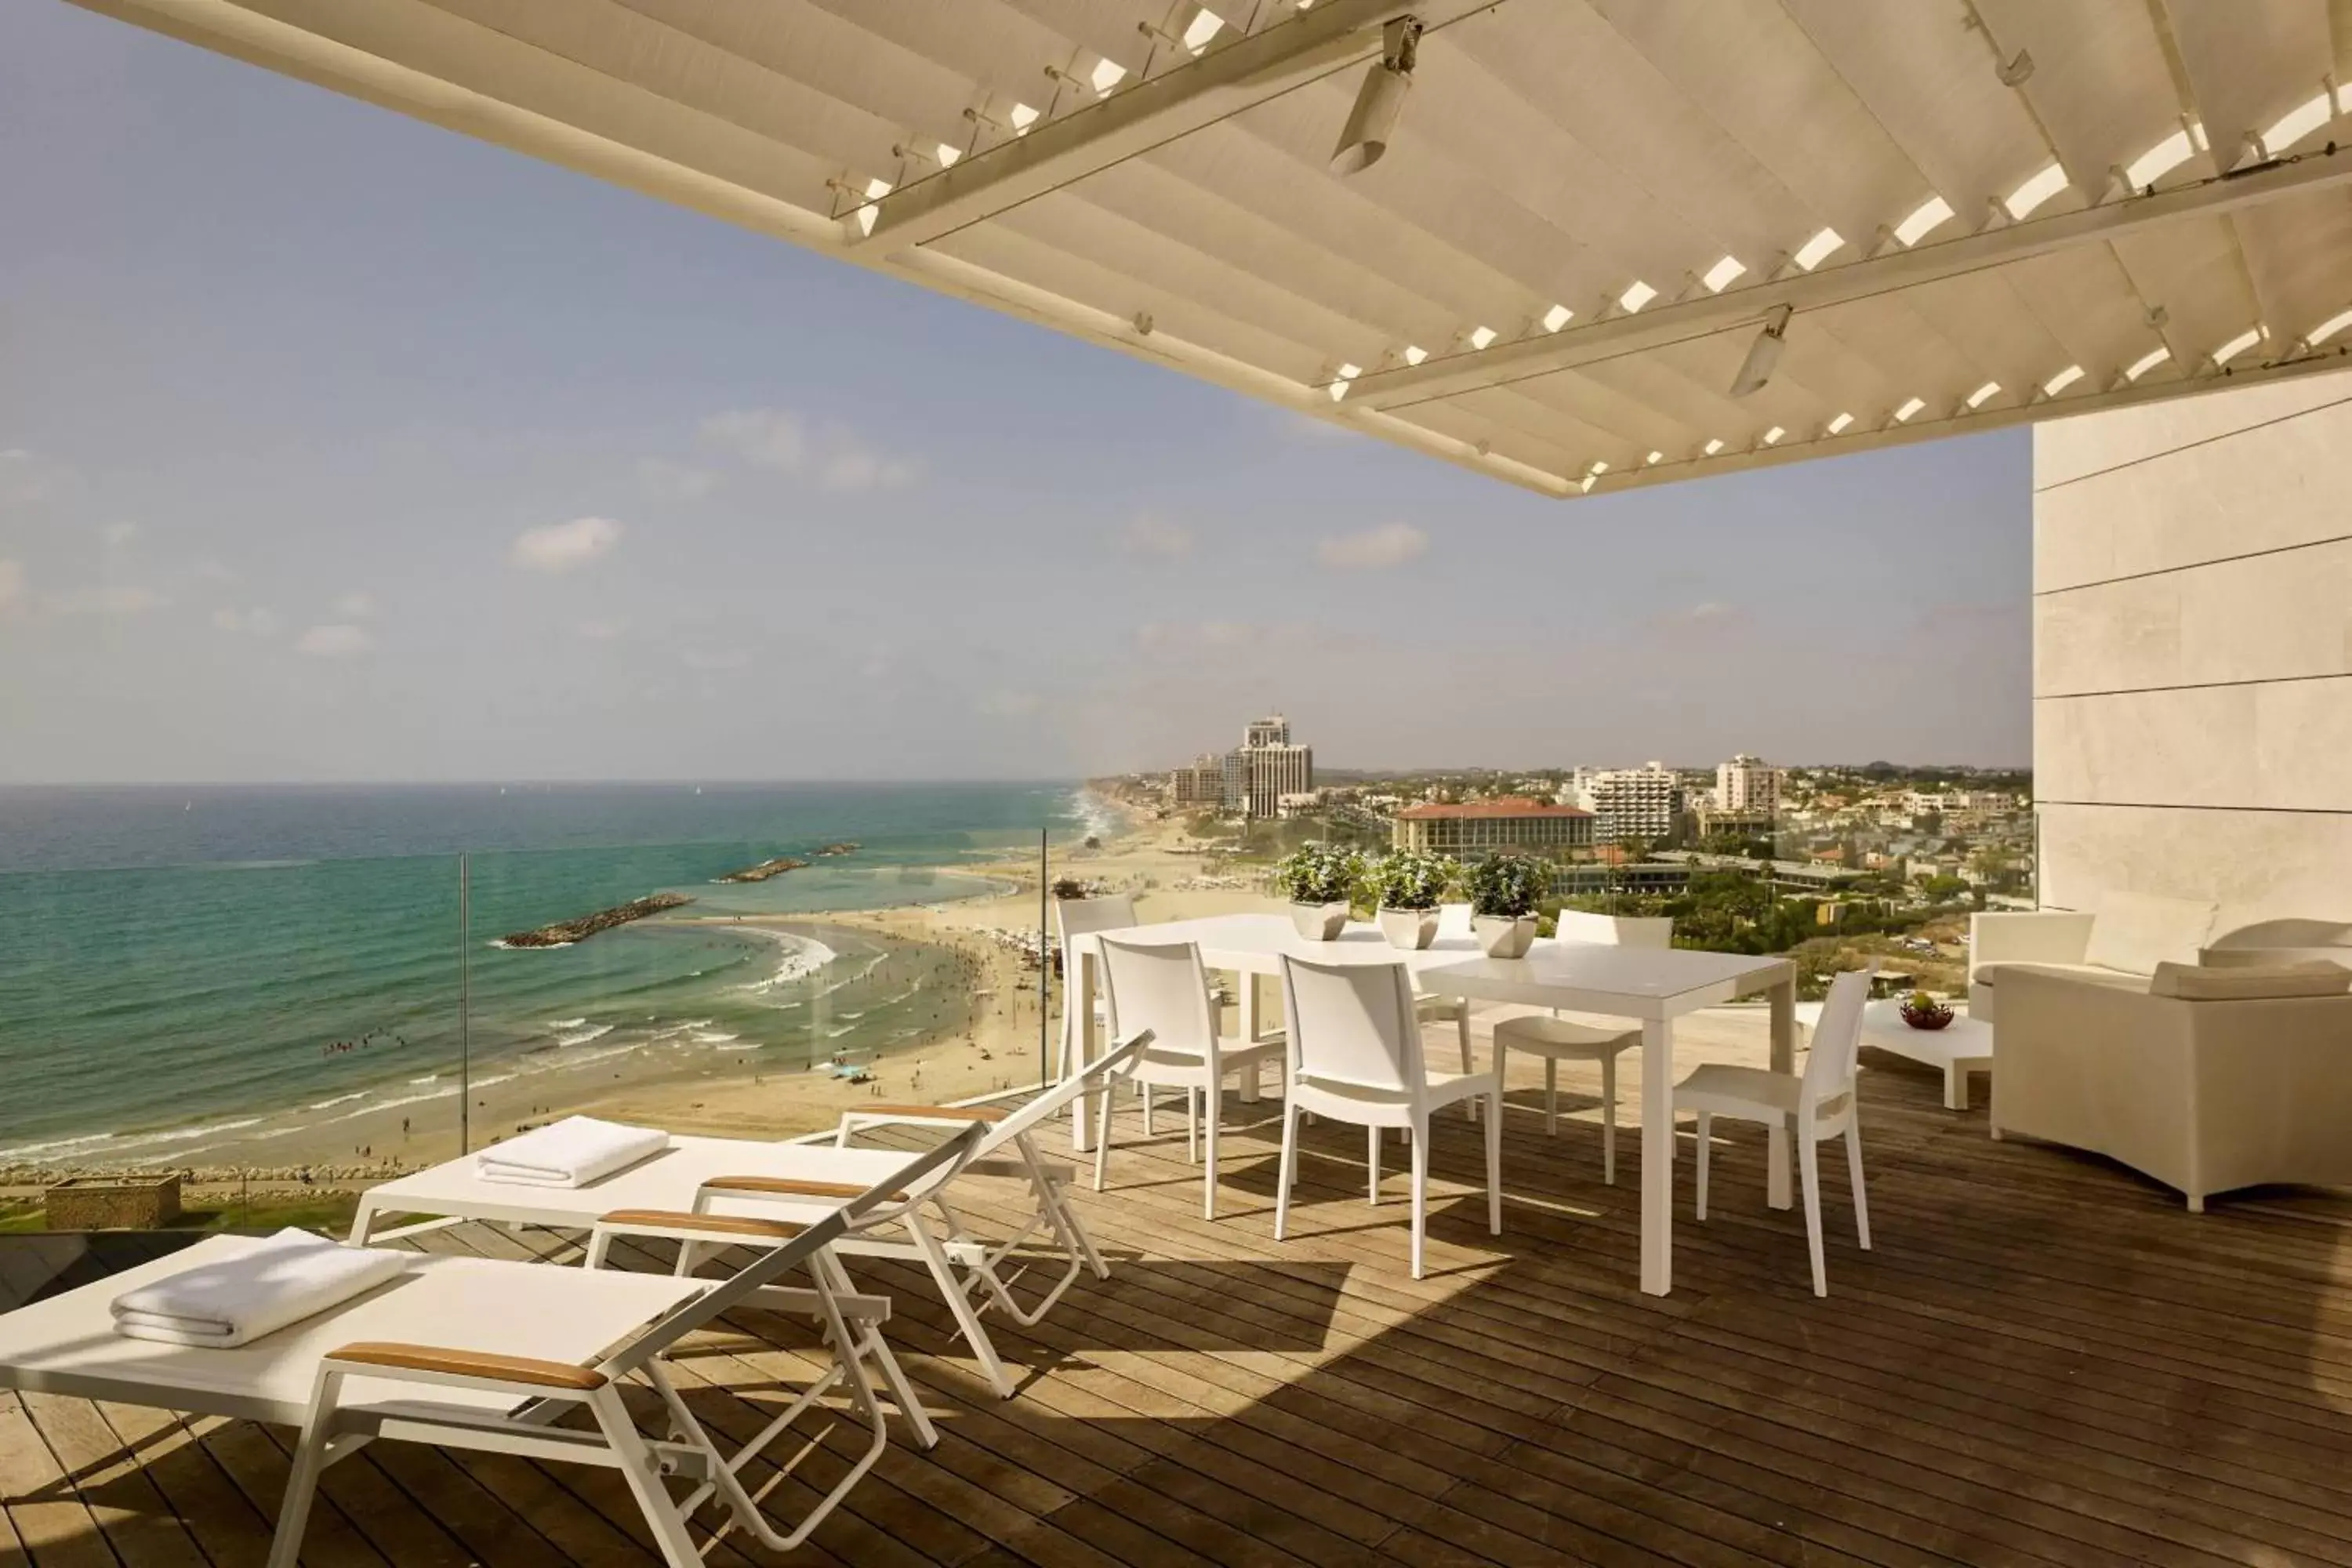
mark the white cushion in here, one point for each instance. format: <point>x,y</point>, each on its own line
<point>1989,974</point>
<point>2137,931</point>
<point>2249,981</point>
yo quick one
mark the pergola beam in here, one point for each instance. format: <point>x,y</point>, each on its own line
<point>2040,410</point>
<point>1134,120</point>
<point>1473,370</point>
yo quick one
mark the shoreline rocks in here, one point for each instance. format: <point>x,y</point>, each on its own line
<point>562,933</point>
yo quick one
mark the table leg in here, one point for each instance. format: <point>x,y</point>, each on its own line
<point>1080,999</point>
<point>1253,1082</point>
<point>1657,1157</point>
<point>1783,1001</point>
<point>1956,1088</point>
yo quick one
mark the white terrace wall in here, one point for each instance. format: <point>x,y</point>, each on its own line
<point>2192,651</point>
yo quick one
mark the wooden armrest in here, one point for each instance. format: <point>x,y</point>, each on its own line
<point>932,1112</point>
<point>790,1187</point>
<point>471,1363</point>
<point>720,1224</point>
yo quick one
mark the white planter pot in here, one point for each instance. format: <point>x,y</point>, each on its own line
<point>1504,936</point>
<point>1319,923</point>
<point>1409,929</point>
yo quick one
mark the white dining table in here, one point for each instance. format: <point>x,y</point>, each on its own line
<point>1653,986</point>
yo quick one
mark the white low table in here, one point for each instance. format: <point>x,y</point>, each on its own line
<point>1959,1048</point>
<point>1656,985</point>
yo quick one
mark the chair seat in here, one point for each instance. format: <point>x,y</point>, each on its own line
<point>1439,1009</point>
<point>1757,1094</point>
<point>1559,1038</point>
<point>1166,1067</point>
<point>1444,1089</point>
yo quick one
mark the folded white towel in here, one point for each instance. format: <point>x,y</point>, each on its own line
<point>572,1152</point>
<point>292,1276</point>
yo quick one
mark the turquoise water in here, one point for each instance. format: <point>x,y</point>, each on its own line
<point>177,964</point>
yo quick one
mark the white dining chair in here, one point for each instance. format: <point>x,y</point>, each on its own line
<point>1076,917</point>
<point>1452,921</point>
<point>1161,986</point>
<point>1816,1105</point>
<point>1356,1056</point>
<point>1557,1040</point>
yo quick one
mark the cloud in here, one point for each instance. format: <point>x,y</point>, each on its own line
<point>1390,544</point>
<point>831,457</point>
<point>356,606</point>
<point>113,599</point>
<point>119,535</point>
<point>664,481</point>
<point>1150,535</point>
<point>12,583</point>
<point>714,659</point>
<point>602,630</point>
<point>254,622</point>
<point>336,640</point>
<point>1009,705</point>
<point>565,546</point>
<point>27,478</point>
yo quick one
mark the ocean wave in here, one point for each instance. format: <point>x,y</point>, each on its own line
<point>505,946</point>
<point>582,1037</point>
<point>713,1037</point>
<point>54,1146</point>
<point>565,1023</point>
<point>114,1141</point>
<point>428,1078</point>
<point>802,956</point>
<point>337,1099</point>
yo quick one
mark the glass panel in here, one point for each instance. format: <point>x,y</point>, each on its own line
<point>255,988</point>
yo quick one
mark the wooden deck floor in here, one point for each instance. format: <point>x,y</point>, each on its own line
<point>2045,1360</point>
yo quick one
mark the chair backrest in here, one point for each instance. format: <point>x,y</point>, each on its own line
<point>1055,1099</point>
<point>1837,1038</point>
<point>1160,987</point>
<point>1083,916</point>
<point>1620,931</point>
<point>1454,921</point>
<point>1352,1024</point>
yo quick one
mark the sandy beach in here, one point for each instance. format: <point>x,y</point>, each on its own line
<point>988,1041</point>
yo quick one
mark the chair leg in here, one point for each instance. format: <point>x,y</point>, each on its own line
<point>1214,1095</point>
<point>1808,1172</point>
<point>1372,1164</point>
<point>1493,1162</point>
<point>1102,1127</point>
<point>1461,1037</point>
<point>1705,1133</point>
<point>1609,1118</point>
<point>1551,1097</point>
<point>1854,1175</point>
<point>302,1482</point>
<point>1192,1125</point>
<point>1289,1171</point>
<point>1145,1089</point>
<point>1420,1191</point>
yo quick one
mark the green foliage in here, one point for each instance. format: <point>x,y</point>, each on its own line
<point>1506,885</point>
<point>1318,874</point>
<point>1408,879</point>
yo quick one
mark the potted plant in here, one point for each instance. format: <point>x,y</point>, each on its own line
<point>1922,1011</point>
<point>1406,885</point>
<point>1319,880</point>
<point>1504,890</point>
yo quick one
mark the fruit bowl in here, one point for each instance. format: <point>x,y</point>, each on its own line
<point>1922,1011</point>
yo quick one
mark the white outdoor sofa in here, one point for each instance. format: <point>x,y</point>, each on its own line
<point>2207,1079</point>
<point>490,1354</point>
<point>2128,934</point>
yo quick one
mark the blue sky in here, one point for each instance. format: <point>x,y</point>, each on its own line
<point>335,446</point>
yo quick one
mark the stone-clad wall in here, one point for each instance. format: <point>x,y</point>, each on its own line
<point>2192,661</point>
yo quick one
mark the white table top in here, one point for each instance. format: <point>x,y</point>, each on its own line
<point>1594,977</point>
<point>1884,1016</point>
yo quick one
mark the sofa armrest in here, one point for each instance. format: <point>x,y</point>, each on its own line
<point>2042,936</point>
<point>2096,1066</point>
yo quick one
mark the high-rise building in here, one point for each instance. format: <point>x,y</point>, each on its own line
<point>1253,777</point>
<point>1747,783</point>
<point>1629,802</point>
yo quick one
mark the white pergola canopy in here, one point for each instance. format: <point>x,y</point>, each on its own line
<point>1977,212</point>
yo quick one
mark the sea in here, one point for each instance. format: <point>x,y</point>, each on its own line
<point>181,967</point>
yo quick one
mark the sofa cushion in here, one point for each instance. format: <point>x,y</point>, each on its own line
<point>1985,974</point>
<point>2137,931</point>
<point>2240,983</point>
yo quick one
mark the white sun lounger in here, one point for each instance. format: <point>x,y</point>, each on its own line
<point>803,1182</point>
<point>476,1353</point>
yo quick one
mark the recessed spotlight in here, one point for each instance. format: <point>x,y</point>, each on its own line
<point>2045,183</point>
<point>1712,448</point>
<point>1106,75</point>
<point>1556,317</point>
<point>949,153</point>
<point>2329,327</point>
<point>1414,353</point>
<point>1984,395</point>
<point>2237,345</point>
<point>1910,407</point>
<point>2145,363</point>
<point>1816,250</point>
<point>1634,298</point>
<point>1480,337</point>
<point>2062,381</point>
<point>1346,374</point>
<point>1924,219</point>
<point>1721,276</point>
<point>1837,425</point>
<point>1772,437</point>
<point>1655,457</point>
